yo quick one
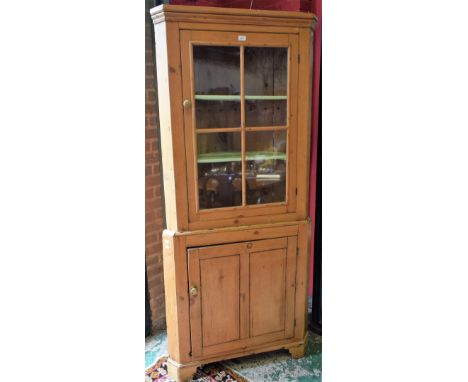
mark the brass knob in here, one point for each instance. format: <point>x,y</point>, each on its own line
<point>193,291</point>
<point>187,103</point>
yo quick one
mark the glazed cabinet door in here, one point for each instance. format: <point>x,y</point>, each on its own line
<point>241,294</point>
<point>240,123</point>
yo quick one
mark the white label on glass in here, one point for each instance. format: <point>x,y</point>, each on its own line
<point>242,38</point>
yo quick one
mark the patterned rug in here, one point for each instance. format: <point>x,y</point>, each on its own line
<point>207,373</point>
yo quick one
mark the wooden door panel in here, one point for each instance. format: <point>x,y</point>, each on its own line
<point>219,310</point>
<point>220,296</point>
<point>198,217</point>
<point>245,294</point>
<point>267,291</point>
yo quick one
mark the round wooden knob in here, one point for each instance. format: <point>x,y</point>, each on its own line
<point>187,103</point>
<point>193,291</point>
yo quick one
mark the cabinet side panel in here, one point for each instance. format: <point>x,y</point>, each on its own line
<point>170,292</point>
<point>293,115</point>
<point>302,274</point>
<point>290,286</point>
<point>304,120</point>
<point>171,125</point>
<point>177,302</point>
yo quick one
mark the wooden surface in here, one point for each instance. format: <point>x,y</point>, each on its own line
<point>290,288</point>
<point>304,115</point>
<point>180,373</point>
<point>248,263</point>
<point>178,134</point>
<point>237,234</point>
<point>217,217</point>
<point>177,298</point>
<point>299,350</point>
<point>171,125</point>
<point>220,157</point>
<point>175,369</point>
<point>220,296</point>
<point>271,258</point>
<point>190,14</point>
<point>193,11</point>
<point>267,291</point>
<point>243,294</point>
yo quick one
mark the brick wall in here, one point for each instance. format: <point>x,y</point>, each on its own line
<point>153,192</point>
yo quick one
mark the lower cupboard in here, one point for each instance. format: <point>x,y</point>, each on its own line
<point>235,297</point>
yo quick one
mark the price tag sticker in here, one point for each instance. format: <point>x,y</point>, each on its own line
<point>242,38</point>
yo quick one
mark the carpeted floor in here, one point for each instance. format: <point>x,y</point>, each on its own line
<point>208,373</point>
<point>275,366</point>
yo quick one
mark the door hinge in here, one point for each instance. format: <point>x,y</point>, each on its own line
<point>298,58</point>
<point>297,251</point>
<point>295,322</point>
<point>296,190</point>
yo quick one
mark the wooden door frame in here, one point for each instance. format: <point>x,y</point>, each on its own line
<point>243,250</point>
<point>199,219</point>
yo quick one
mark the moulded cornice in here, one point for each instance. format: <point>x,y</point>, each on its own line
<point>190,14</point>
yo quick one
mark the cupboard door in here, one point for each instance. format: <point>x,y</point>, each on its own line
<point>240,111</point>
<point>241,294</point>
<point>272,289</point>
<point>267,286</point>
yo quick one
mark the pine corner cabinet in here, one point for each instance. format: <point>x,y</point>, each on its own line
<point>234,92</point>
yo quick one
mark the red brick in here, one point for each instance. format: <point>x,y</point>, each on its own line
<point>153,260</point>
<point>154,204</point>
<point>154,247</point>
<point>149,193</point>
<point>153,211</point>
<point>152,180</point>
<point>148,170</point>
<point>152,237</point>
<point>151,96</point>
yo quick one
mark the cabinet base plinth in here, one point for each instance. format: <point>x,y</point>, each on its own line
<point>184,372</point>
<point>180,373</point>
<point>299,351</point>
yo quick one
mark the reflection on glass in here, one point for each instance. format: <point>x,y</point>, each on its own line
<point>219,170</point>
<point>266,86</point>
<point>265,166</point>
<point>216,72</point>
<point>215,114</point>
<point>265,113</point>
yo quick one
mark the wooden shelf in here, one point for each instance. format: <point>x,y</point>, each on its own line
<point>216,97</point>
<point>265,97</point>
<point>235,156</point>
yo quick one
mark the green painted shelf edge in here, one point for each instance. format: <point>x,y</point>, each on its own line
<point>215,97</point>
<point>218,97</point>
<point>235,156</point>
<point>264,97</point>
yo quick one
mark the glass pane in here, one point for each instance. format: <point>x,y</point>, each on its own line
<point>215,114</point>
<point>265,166</point>
<point>266,86</point>
<point>219,170</point>
<point>216,72</point>
<point>265,113</point>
